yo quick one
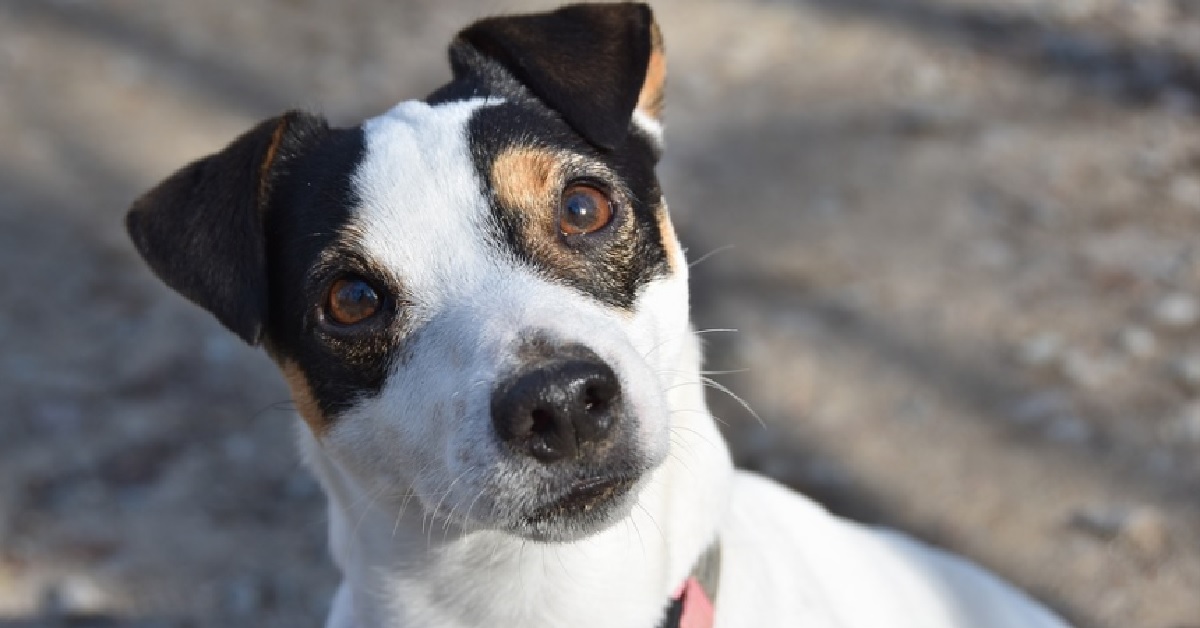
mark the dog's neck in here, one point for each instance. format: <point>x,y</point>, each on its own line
<point>403,569</point>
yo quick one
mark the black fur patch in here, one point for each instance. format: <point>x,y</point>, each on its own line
<point>307,252</point>
<point>585,61</point>
<point>610,265</point>
<point>201,230</point>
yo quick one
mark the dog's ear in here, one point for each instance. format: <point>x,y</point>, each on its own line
<point>592,63</point>
<point>202,229</point>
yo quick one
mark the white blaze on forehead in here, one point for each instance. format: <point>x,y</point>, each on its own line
<point>423,216</point>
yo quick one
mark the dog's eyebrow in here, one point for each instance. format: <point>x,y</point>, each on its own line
<point>529,178</point>
<point>525,177</point>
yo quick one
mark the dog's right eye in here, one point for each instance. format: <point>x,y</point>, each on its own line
<point>351,301</point>
<point>583,210</point>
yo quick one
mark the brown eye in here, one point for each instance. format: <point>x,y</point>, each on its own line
<point>351,301</point>
<point>582,210</point>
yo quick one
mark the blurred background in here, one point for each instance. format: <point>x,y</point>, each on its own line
<point>958,239</point>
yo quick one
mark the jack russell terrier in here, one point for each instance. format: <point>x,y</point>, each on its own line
<point>481,309</point>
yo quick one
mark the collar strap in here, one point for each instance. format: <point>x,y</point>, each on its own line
<point>692,604</point>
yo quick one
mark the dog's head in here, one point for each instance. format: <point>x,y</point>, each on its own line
<point>477,297</point>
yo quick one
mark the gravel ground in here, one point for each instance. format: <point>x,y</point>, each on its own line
<point>957,238</point>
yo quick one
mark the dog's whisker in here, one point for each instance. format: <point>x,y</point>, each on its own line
<point>435,512</point>
<point>647,355</point>
<point>715,385</point>
<point>689,373</point>
<point>521,562</point>
<point>471,506</point>
<point>710,254</point>
<point>675,456</point>
<point>682,384</point>
<point>653,522</point>
<point>714,330</point>
<point>407,495</point>
<point>702,436</point>
<point>705,413</point>
<point>638,532</point>
<point>721,387</point>
<point>682,444</point>
<point>368,500</point>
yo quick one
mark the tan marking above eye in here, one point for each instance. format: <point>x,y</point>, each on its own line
<point>351,301</point>
<point>583,209</point>
<point>527,179</point>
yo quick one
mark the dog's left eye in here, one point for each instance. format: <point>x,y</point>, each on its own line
<point>583,209</point>
<point>351,301</point>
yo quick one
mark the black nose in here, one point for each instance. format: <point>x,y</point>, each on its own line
<point>559,408</point>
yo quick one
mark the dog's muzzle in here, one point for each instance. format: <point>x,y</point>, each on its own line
<point>560,407</point>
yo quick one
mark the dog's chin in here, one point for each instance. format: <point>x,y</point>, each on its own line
<point>586,508</point>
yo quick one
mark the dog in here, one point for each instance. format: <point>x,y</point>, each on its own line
<point>480,306</point>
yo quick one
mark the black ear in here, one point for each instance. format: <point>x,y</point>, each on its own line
<point>588,62</point>
<point>201,230</point>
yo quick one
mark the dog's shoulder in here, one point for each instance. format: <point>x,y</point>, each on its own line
<point>832,571</point>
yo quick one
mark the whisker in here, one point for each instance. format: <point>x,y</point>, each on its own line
<point>437,509</point>
<point>638,532</point>
<point>698,433</point>
<point>652,522</point>
<point>721,387</point>
<point>726,372</point>
<point>674,456</point>
<point>719,249</point>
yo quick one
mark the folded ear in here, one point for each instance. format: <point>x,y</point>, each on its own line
<point>592,63</point>
<point>201,230</point>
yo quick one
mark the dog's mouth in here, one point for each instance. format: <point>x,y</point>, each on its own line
<point>583,498</point>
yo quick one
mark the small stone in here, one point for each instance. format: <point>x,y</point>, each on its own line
<point>1186,371</point>
<point>73,595</point>
<point>1180,102</point>
<point>1040,407</point>
<point>1099,521</point>
<point>993,255</point>
<point>1177,311</point>
<point>1145,530</point>
<point>1040,350</point>
<point>1185,427</point>
<point>1184,191</point>
<point>1088,371</point>
<point>1138,342</point>
<point>1162,462</point>
<point>1068,430</point>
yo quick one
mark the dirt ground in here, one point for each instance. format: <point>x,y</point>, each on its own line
<point>957,238</point>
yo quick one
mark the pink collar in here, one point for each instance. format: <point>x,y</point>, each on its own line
<point>697,606</point>
<point>692,604</point>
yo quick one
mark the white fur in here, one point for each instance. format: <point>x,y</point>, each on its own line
<point>651,127</point>
<point>417,485</point>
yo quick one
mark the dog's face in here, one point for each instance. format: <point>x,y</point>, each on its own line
<point>477,298</point>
